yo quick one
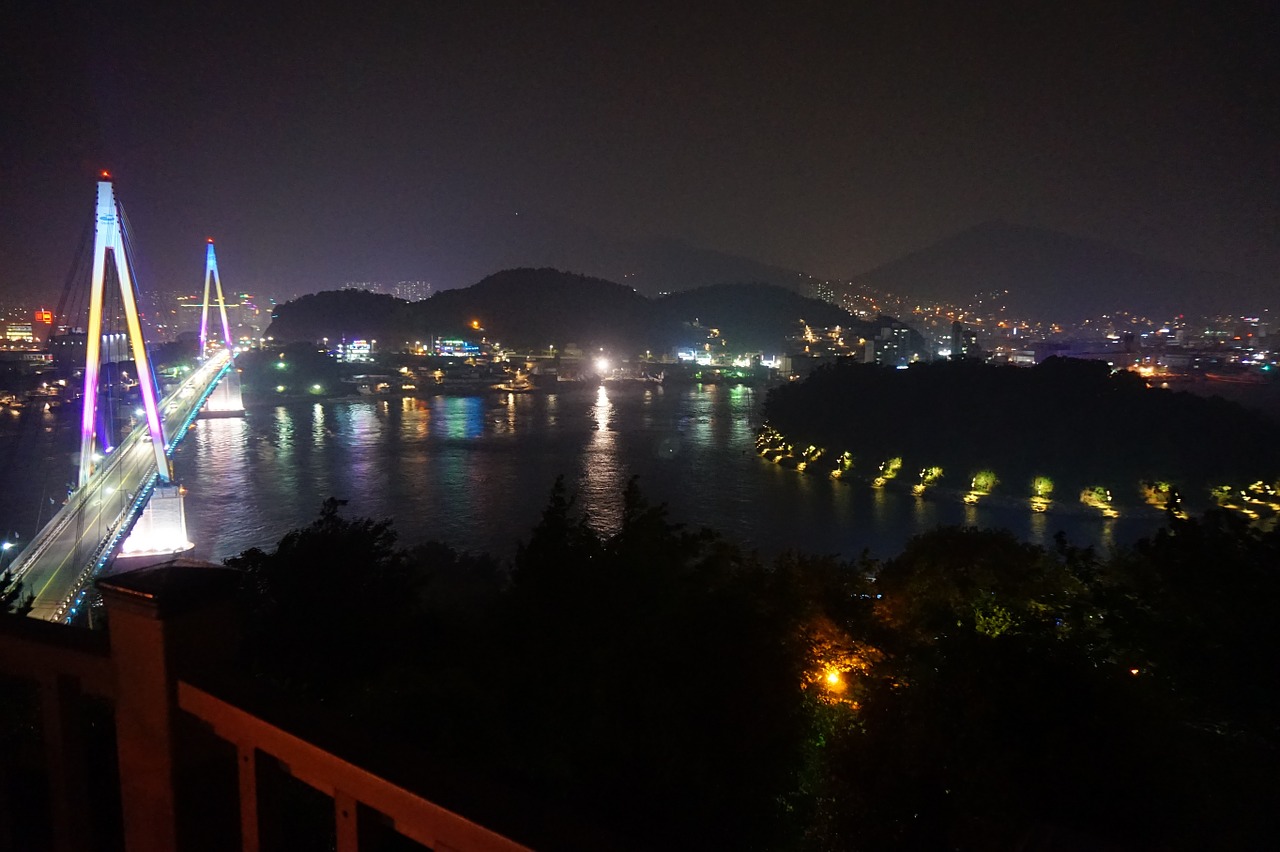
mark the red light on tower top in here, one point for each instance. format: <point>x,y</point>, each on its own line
<point>106,175</point>
<point>209,240</point>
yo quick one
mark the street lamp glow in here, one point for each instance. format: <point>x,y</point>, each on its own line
<point>602,365</point>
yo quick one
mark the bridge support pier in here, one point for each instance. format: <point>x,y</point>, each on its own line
<point>162,527</point>
<point>225,401</point>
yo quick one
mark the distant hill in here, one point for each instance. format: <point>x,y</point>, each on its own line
<point>534,308</point>
<point>670,266</point>
<point>341,314</point>
<point>652,266</point>
<point>754,316</point>
<point>1048,275</point>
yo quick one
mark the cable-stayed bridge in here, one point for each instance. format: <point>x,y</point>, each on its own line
<point>126,495</point>
<point>58,563</point>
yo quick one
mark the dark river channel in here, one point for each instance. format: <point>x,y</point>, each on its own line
<point>475,472</point>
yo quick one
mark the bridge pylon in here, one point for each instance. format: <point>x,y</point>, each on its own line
<point>226,399</point>
<point>162,526</point>
<point>211,277</point>
<point>109,247</point>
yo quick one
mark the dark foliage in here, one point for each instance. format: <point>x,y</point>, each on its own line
<point>1194,607</point>
<point>649,668</point>
<point>13,595</point>
<point>338,314</point>
<point>662,684</point>
<point>329,594</point>
<point>752,316</point>
<point>1071,420</point>
<point>175,353</point>
<point>297,367</point>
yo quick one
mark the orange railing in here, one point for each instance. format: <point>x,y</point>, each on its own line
<point>348,785</point>
<point>163,624</point>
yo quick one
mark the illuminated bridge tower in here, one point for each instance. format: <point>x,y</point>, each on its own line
<point>109,247</point>
<point>162,527</point>
<point>226,400</point>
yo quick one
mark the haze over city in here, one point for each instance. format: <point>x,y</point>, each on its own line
<point>441,142</point>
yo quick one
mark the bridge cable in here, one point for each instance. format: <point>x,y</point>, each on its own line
<point>126,232</point>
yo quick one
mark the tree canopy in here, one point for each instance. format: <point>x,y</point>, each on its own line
<point>1074,421</point>
<point>669,688</point>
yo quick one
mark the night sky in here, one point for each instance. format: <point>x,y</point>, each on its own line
<point>323,145</point>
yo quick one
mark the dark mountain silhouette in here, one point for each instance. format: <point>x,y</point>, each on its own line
<point>664,265</point>
<point>1048,275</point>
<point>341,315</point>
<point>531,309</point>
<point>753,316</point>
<point>531,240</point>
<point>534,308</point>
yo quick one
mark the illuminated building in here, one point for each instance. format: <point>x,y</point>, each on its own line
<point>355,351</point>
<point>19,332</point>
<point>892,347</point>
<point>457,348</point>
<point>412,291</point>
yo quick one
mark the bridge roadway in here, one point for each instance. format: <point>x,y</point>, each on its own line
<point>61,559</point>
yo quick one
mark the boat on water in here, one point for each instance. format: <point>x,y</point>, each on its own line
<point>632,382</point>
<point>516,387</point>
<point>1241,378</point>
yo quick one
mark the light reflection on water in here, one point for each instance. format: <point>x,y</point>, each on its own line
<point>39,455</point>
<point>1040,531</point>
<point>476,472</point>
<point>1107,535</point>
<point>603,475</point>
